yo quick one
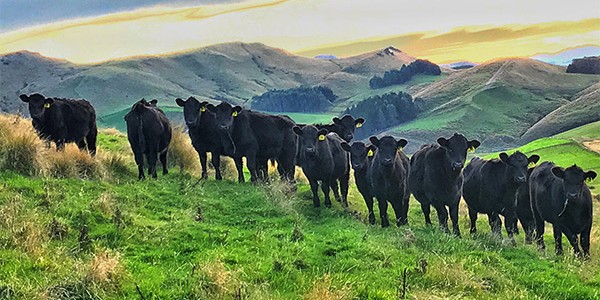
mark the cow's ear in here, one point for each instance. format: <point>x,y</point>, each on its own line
<point>374,140</point>
<point>323,131</point>
<point>346,147</point>
<point>143,101</point>
<point>24,98</point>
<point>336,120</point>
<point>533,159</point>
<point>443,142</point>
<point>503,157</point>
<point>529,172</point>
<point>472,145</point>
<point>180,102</point>
<point>48,102</point>
<point>359,122</point>
<point>203,106</point>
<point>297,130</point>
<point>401,143</point>
<point>153,102</point>
<point>558,172</point>
<point>590,175</point>
<point>236,110</point>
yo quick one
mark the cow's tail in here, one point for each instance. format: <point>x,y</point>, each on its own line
<point>141,138</point>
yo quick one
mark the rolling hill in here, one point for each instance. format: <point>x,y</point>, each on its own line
<point>497,102</point>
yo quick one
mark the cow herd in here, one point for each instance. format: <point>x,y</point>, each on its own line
<point>508,186</point>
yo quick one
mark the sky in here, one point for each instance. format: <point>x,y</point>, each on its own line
<point>88,31</point>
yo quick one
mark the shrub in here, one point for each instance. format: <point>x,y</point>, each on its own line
<point>19,146</point>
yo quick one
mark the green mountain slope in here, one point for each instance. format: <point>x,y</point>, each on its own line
<point>174,238</point>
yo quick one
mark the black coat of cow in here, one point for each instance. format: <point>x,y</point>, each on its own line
<point>490,187</point>
<point>524,213</point>
<point>561,197</point>
<point>258,137</point>
<point>361,156</point>
<point>323,159</point>
<point>436,177</point>
<point>388,176</point>
<point>149,134</point>
<point>63,121</point>
<point>204,133</point>
<point>344,126</point>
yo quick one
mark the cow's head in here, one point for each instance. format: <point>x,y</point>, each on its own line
<point>517,164</point>
<point>359,154</point>
<point>137,109</point>
<point>152,103</point>
<point>192,109</point>
<point>456,150</point>
<point>387,149</point>
<point>310,137</point>
<point>573,180</point>
<point>225,115</point>
<point>38,105</point>
<point>346,126</point>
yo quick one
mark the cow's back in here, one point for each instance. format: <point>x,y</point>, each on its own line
<point>71,119</point>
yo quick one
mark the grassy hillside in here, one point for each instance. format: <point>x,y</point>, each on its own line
<point>175,238</point>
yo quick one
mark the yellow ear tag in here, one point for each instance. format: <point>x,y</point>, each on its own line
<point>471,149</point>
<point>46,105</point>
<point>531,164</point>
<point>203,109</point>
<point>588,179</point>
<point>370,153</point>
<point>400,149</point>
<point>321,137</point>
<point>235,113</point>
<point>359,125</point>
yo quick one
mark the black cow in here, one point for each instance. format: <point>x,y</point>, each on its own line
<point>344,127</point>
<point>361,156</point>
<point>436,177</point>
<point>524,213</point>
<point>258,137</point>
<point>323,159</point>
<point>204,133</point>
<point>63,121</point>
<point>561,197</point>
<point>490,187</point>
<point>149,134</point>
<point>388,176</point>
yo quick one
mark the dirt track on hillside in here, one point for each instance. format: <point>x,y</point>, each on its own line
<point>593,145</point>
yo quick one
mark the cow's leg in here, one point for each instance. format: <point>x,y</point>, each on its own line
<point>325,187</point>
<point>81,145</point>
<point>454,217</point>
<point>139,161</point>
<point>152,157</point>
<point>216,162</point>
<point>252,164</point>
<point>584,239</point>
<point>397,207</point>
<point>426,208</point>
<point>60,145</point>
<point>90,140</point>
<point>442,216</point>
<point>383,212</point>
<point>335,189</point>
<point>239,166</point>
<point>203,159</point>
<point>314,187</point>
<point>405,203</point>
<point>539,230</point>
<point>495,223</point>
<point>510,223</point>
<point>344,189</point>
<point>163,161</point>
<point>529,228</point>
<point>572,237</point>
<point>369,202</point>
<point>473,219</point>
<point>557,239</point>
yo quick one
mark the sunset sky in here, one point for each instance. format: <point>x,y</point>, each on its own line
<point>443,31</point>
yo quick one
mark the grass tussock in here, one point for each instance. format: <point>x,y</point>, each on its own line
<point>181,152</point>
<point>73,163</point>
<point>212,280</point>
<point>19,145</point>
<point>105,270</point>
<point>323,289</point>
<point>22,229</point>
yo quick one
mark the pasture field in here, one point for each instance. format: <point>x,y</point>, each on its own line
<point>178,238</point>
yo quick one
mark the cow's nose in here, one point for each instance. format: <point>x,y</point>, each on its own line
<point>349,137</point>
<point>521,179</point>
<point>223,127</point>
<point>310,149</point>
<point>572,195</point>
<point>457,165</point>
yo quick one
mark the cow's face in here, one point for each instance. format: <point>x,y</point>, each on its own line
<point>387,148</point>
<point>346,126</point>
<point>359,154</point>
<point>456,150</point>
<point>310,137</point>
<point>573,180</point>
<point>225,115</point>
<point>517,164</point>
<point>38,105</point>
<point>192,109</point>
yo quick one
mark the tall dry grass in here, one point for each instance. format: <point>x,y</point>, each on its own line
<point>182,154</point>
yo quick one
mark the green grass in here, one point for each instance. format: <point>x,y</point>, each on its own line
<point>585,132</point>
<point>266,243</point>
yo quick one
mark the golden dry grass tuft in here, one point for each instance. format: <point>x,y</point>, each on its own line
<point>214,281</point>
<point>105,269</point>
<point>181,152</point>
<point>73,163</point>
<point>19,145</point>
<point>22,228</point>
<point>322,289</point>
